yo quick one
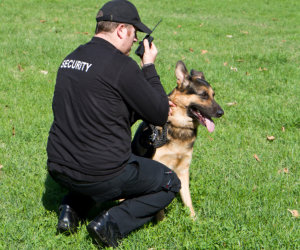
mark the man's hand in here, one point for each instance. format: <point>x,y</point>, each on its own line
<point>171,105</point>
<point>150,53</point>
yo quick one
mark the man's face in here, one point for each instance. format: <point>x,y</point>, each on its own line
<point>130,39</point>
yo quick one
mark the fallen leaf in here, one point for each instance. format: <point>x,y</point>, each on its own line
<point>285,170</point>
<point>256,157</point>
<point>1,166</point>
<point>229,36</point>
<point>262,69</point>
<point>179,26</point>
<point>191,49</point>
<point>274,19</point>
<point>183,58</point>
<point>232,103</point>
<point>44,72</point>
<point>234,69</point>
<point>294,212</point>
<point>20,68</point>
<point>248,74</point>
<point>254,188</point>
<point>271,138</point>
<point>175,32</point>
<point>225,63</point>
<point>13,131</point>
<point>42,21</point>
<point>240,60</point>
<point>210,138</point>
<point>204,51</point>
<point>244,32</point>
<point>85,33</point>
<point>201,24</point>
<point>283,129</point>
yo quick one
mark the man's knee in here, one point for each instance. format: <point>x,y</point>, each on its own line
<point>171,182</point>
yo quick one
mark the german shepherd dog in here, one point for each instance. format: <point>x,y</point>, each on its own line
<point>195,104</point>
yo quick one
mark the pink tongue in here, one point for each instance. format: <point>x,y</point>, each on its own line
<point>209,125</point>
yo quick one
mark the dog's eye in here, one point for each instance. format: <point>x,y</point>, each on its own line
<point>204,95</point>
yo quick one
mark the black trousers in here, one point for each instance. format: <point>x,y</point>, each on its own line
<point>146,185</point>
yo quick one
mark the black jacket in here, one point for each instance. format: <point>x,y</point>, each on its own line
<point>99,94</point>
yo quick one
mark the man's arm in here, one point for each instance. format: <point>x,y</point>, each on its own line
<point>143,92</point>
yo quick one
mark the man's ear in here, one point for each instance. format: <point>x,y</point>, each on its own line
<point>181,75</point>
<point>121,30</point>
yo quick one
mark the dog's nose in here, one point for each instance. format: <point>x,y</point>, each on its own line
<point>220,112</point>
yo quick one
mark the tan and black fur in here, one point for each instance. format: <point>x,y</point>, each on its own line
<point>195,104</point>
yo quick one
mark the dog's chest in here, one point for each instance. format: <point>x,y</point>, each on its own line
<point>175,156</point>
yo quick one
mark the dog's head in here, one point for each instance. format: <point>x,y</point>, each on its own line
<point>196,96</point>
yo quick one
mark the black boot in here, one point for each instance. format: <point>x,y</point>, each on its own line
<point>68,220</point>
<point>104,230</point>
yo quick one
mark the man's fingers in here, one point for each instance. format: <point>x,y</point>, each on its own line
<point>171,104</point>
<point>146,44</point>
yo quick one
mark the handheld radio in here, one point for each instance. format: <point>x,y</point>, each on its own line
<point>141,49</point>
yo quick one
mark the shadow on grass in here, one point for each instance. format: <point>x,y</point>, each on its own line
<point>54,194</point>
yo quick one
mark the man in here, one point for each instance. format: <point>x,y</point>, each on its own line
<point>100,92</point>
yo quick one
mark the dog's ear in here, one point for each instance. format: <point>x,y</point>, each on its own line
<point>197,74</point>
<point>181,74</point>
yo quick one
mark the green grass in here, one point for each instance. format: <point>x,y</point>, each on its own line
<point>241,203</point>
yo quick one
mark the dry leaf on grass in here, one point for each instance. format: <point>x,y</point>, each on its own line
<point>1,166</point>
<point>285,170</point>
<point>20,68</point>
<point>210,138</point>
<point>204,51</point>
<point>13,131</point>
<point>256,157</point>
<point>225,63</point>
<point>42,21</point>
<point>231,103</point>
<point>179,26</point>
<point>270,138</point>
<point>191,49</point>
<point>244,32</point>
<point>44,72</point>
<point>229,36</point>
<point>283,129</point>
<point>248,74</point>
<point>262,69</point>
<point>294,212</point>
<point>234,69</point>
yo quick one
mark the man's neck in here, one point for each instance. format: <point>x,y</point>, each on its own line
<point>109,37</point>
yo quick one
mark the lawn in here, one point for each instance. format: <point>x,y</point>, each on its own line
<point>244,176</point>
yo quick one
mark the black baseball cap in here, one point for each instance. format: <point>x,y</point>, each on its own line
<point>122,11</point>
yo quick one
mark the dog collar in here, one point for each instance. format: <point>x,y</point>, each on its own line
<point>159,137</point>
